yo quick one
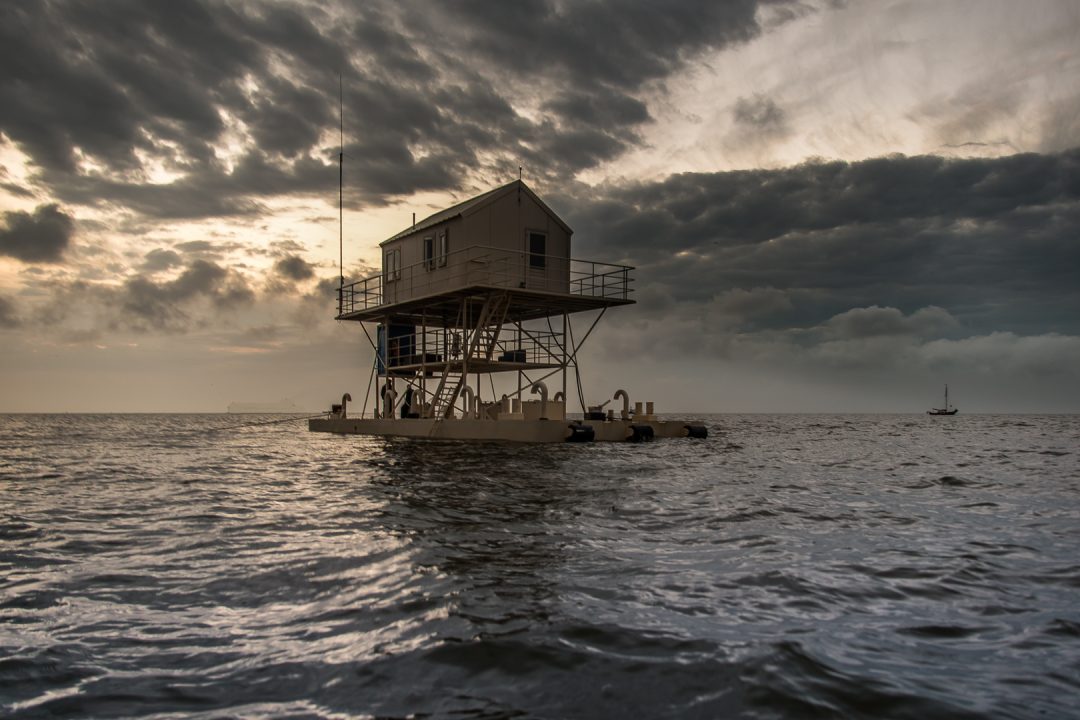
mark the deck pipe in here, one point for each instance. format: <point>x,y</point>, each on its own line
<point>541,388</point>
<point>470,401</point>
<point>389,400</point>
<point>625,403</point>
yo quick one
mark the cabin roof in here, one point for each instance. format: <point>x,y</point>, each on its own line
<point>472,205</point>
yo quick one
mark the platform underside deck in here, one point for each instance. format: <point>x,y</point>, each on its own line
<point>537,431</point>
<point>476,365</point>
<point>444,309</point>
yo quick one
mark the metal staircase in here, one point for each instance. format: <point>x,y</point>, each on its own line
<point>483,339</point>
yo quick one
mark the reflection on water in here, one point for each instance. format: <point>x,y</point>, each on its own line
<point>788,566</point>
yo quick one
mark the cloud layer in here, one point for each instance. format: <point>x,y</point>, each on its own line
<point>41,236</point>
<point>163,165</point>
<point>195,109</point>
<point>993,241</point>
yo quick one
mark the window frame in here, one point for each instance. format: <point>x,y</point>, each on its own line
<point>392,265</point>
<point>429,252</point>
<point>537,260</point>
<point>443,248</point>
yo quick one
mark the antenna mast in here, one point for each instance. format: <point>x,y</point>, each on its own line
<point>341,182</point>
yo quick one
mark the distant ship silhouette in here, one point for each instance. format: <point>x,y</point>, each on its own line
<point>945,410</point>
<point>285,405</point>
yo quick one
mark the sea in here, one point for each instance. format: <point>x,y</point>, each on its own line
<point>789,566</point>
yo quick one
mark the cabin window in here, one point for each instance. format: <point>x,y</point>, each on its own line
<point>537,249</point>
<point>429,252</point>
<point>392,265</point>
<point>444,246</point>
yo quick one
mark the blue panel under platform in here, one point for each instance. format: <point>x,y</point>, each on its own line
<point>400,348</point>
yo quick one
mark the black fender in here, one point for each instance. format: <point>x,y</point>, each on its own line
<point>697,431</point>
<point>580,433</point>
<point>641,433</point>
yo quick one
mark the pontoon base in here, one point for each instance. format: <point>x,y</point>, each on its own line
<point>537,431</point>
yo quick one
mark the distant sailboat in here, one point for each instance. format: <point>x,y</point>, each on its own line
<point>945,410</point>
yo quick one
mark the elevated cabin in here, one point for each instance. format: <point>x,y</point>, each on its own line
<point>506,237</point>
<point>486,286</point>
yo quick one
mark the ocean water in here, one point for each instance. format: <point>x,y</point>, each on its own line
<point>790,566</point>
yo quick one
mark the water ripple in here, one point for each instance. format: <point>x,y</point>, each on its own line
<point>788,566</point>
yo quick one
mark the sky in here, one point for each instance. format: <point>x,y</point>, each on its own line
<point>831,206</point>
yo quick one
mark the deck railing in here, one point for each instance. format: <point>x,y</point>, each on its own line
<point>494,267</point>
<point>433,345</point>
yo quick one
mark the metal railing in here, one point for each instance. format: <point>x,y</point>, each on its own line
<point>494,267</point>
<point>435,345</point>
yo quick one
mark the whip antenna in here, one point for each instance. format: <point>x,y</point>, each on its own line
<point>341,192</point>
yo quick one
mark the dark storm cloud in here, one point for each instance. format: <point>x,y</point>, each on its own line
<point>287,119</point>
<point>9,317</point>
<point>776,14</point>
<point>755,303</point>
<point>149,305</point>
<point>430,92</point>
<point>206,295</point>
<point>595,44</point>
<point>696,211</point>
<point>760,114</point>
<point>992,241</point>
<point>120,69</point>
<point>585,63</point>
<point>608,108</point>
<point>294,267</point>
<point>41,236</point>
<point>199,247</point>
<point>159,259</point>
<point>328,287</point>
<point>16,190</point>
<point>208,190</point>
<point>200,296</point>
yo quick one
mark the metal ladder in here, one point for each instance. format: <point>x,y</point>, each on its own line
<point>492,315</point>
